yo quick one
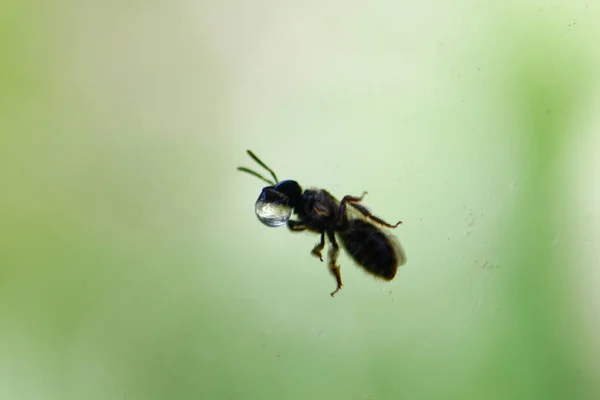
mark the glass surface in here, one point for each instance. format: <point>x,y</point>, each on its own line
<point>132,265</point>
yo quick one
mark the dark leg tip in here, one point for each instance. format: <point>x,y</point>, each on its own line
<point>335,291</point>
<point>317,253</point>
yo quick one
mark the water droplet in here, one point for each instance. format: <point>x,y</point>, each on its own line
<point>272,214</point>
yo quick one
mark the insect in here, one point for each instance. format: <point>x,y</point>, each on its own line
<point>359,231</point>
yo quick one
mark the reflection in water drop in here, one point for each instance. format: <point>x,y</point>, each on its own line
<point>271,213</point>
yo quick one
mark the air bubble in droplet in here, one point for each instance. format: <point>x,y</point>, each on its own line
<point>271,213</point>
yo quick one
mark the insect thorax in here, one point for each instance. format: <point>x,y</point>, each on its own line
<point>318,208</point>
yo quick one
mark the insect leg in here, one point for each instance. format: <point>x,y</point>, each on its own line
<point>349,200</point>
<point>319,248</point>
<point>364,211</point>
<point>296,226</point>
<point>334,251</point>
<point>353,201</point>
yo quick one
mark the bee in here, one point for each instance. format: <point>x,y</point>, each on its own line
<point>359,231</point>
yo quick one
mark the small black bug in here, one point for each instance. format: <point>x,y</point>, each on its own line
<point>318,211</point>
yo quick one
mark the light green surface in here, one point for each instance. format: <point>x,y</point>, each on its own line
<point>132,265</point>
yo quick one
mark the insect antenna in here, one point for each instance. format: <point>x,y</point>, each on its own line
<point>256,174</point>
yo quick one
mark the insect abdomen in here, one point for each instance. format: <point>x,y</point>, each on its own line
<point>370,248</point>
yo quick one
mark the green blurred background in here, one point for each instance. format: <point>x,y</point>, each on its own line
<point>132,265</point>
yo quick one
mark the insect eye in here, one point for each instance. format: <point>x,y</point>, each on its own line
<point>272,208</point>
